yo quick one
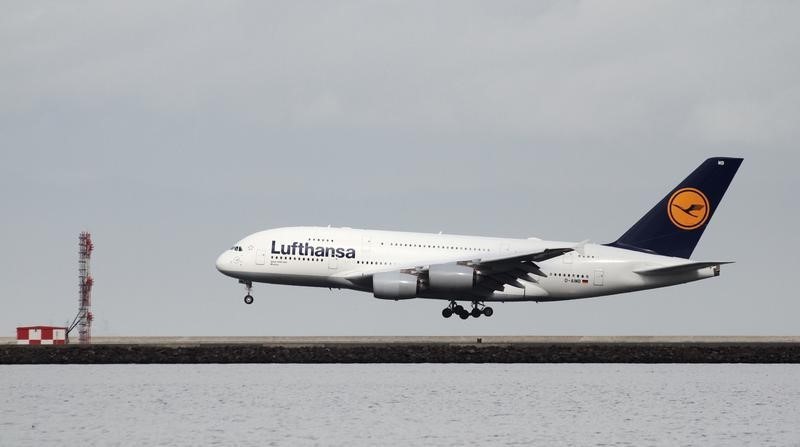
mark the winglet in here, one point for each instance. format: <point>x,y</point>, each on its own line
<point>580,247</point>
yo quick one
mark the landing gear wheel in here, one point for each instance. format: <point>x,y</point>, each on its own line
<point>458,309</point>
<point>487,311</point>
<point>464,315</point>
<point>447,312</point>
<point>248,285</point>
<point>475,312</point>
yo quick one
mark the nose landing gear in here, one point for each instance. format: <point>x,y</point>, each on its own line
<point>478,309</point>
<point>248,299</point>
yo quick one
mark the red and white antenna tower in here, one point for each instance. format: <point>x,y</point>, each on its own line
<point>85,281</point>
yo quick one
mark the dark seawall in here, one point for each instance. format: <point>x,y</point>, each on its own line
<point>405,352</point>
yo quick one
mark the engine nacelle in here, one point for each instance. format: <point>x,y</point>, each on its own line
<point>451,277</point>
<point>395,286</point>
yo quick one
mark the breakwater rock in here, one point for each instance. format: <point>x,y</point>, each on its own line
<point>558,352</point>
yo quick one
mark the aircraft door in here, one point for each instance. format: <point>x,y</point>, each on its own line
<point>261,256</point>
<point>333,263</point>
<point>598,277</point>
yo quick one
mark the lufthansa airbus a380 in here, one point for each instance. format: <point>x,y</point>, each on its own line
<point>394,265</point>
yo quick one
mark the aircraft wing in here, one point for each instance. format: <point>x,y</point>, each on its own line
<point>495,271</point>
<point>499,271</point>
<point>680,268</point>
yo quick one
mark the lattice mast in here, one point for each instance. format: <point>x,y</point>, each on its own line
<point>85,281</point>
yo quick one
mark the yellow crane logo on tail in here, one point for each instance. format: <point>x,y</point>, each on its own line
<point>688,208</point>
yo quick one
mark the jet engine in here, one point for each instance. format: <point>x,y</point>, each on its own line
<point>451,277</point>
<point>395,285</point>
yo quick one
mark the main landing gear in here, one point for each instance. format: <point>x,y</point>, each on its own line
<point>478,309</point>
<point>248,299</point>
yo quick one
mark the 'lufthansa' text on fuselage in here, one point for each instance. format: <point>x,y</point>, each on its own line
<point>306,249</point>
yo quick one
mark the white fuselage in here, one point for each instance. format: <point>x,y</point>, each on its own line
<point>339,257</point>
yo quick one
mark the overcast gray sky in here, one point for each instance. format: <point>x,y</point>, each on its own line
<point>170,129</point>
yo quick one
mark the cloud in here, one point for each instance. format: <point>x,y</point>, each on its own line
<point>561,70</point>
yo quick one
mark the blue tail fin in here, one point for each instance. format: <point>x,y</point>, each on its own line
<point>674,226</point>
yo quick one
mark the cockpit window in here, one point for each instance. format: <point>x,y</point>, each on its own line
<point>236,248</point>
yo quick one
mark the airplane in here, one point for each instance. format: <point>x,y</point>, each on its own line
<point>395,265</point>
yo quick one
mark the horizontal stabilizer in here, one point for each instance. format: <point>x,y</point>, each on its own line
<point>680,268</point>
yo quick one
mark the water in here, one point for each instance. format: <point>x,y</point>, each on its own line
<point>425,404</point>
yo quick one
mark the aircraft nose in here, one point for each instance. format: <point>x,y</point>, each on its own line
<point>223,263</point>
